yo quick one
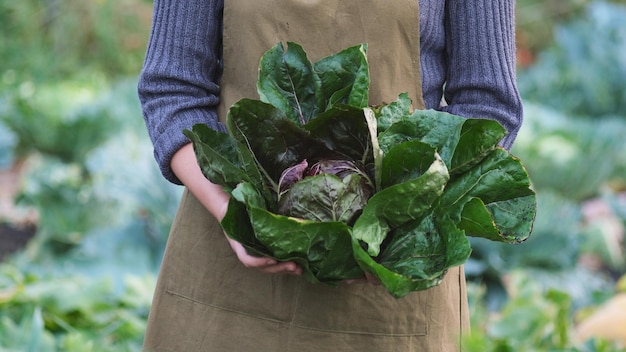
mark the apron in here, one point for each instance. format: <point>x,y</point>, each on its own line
<point>206,300</point>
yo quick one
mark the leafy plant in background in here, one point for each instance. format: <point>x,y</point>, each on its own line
<point>100,182</point>
<point>583,74</point>
<point>46,119</point>
<point>580,154</point>
<point>71,312</point>
<point>551,254</point>
<point>571,161</point>
<point>533,319</point>
<point>433,177</point>
<point>33,54</point>
<point>85,282</point>
<point>108,36</point>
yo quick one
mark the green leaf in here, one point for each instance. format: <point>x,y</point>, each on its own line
<point>344,130</point>
<point>438,177</point>
<point>478,138</point>
<point>406,161</point>
<point>418,255</point>
<point>236,223</point>
<point>503,188</point>
<point>324,246</point>
<point>345,77</point>
<point>275,141</point>
<point>394,112</point>
<point>323,249</point>
<point>288,81</point>
<point>399,204</point>
<point>37,330</point>
<point>461,142</point>
<point>477,221</point>
<point>440,130</point>
<point>219,161</point>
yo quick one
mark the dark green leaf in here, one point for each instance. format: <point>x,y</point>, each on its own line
<point>461,142</point>
<point>344,130</point>
<point>288,82</point>
<point>418,255</point>
<point>219,161</point>
<point>345,77</point>
<point>439,129</point>
<point>438,177</point>
<point>394,112</point>
<point>325,246</point>
<point>406,161</point>
<point>399,204</point>
<point>478,138</point>
<point>503,186</point>
<point>275,141</point>
<point>236,224</point>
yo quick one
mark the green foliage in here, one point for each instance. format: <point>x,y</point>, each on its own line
<point>61,312</point>
<point>602,230</point>
<point>112,173</point>
<point>552,252</point>
<point>46,117</point>
<point>533,319</point>
<point>456,182</point>
<point>51,39</point>
<point>584,73</point>
<point>536,20</point>
<point>85,282</point>
<point>570,161</point>
<point>572,139</point>
<point>575,157</point>
<point>50,184</point>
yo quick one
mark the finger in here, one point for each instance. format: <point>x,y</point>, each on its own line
<point>268,265</point>
<point>265,264</point>
<point>282,268</point>
<point>248,260</point>
<point>256,262</point>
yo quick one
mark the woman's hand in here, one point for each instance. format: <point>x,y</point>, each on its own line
<point>265,264</point>
<point>215,200</point>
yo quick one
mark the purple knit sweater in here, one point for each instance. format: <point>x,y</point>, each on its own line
<point>468,44</point>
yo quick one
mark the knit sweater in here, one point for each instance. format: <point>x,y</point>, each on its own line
<point>467,46</point>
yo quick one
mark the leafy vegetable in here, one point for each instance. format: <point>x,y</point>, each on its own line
<point>318,177</point>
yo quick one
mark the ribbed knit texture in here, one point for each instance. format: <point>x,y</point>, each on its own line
<point>466,45</point>
<point>178,86</point>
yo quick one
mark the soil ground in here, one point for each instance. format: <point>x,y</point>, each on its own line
<point>16,226</point>
<point>14,238</point>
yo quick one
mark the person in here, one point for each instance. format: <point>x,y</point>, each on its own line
<point>203,55</point>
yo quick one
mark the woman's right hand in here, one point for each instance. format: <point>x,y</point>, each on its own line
<point>215,200</point>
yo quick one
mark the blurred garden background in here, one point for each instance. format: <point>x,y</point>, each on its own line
<point>84,212</point>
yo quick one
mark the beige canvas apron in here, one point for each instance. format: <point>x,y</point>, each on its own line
<point>206,300</point>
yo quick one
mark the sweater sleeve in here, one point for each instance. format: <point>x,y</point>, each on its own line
<point>481,70</point>
<point>178,85</point>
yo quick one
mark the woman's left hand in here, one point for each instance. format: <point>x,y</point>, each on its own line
<point>264,264</point>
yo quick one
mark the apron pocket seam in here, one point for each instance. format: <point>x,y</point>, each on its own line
<point>423,332</point>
